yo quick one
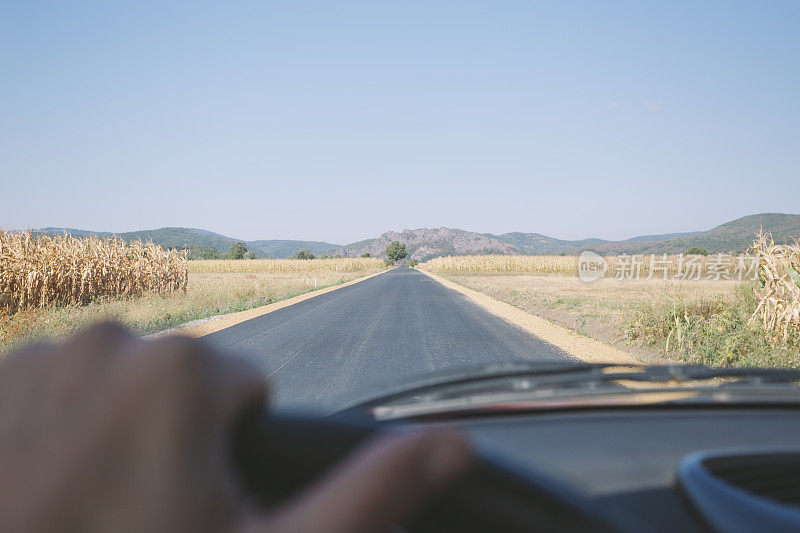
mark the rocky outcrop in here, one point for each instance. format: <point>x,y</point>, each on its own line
<point>427,242</point>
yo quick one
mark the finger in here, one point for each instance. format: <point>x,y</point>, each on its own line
<point>21,383</point>
<point>97,343</point>
<point>57,379</point>
<point>379,486</point>
<point>180,400</point>
<point>83,362</point>
<point>220,385</point>
<point>84,359</point>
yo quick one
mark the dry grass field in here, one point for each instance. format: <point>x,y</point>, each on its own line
<point>289,266</point>
<point>717,318</point>
<point>662,265</point>
<point>207,294</point>
<point>535,264</point>
<point>599,309</point>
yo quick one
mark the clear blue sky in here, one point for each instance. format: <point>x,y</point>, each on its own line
<point>337,121</point>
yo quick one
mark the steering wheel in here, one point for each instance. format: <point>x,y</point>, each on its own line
<point>278,456</point>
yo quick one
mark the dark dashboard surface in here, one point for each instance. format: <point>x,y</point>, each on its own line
<point>625,460</point>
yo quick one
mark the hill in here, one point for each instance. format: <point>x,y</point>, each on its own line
<point>735,236</point>
<point>203,243</point>
<point>425,243</point>
<point>281,248</point>
<point>535,243</point>
<point>655,238</point>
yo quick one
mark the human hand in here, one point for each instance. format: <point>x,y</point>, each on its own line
<point>108,432</point>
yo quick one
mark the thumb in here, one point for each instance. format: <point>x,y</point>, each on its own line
<point>377,487</point>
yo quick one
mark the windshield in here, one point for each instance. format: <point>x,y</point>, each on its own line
<point>362,199</point>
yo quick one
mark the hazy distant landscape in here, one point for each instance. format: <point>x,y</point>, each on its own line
<point>734,236</point>
<point>706,319</point>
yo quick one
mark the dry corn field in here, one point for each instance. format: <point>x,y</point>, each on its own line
<point>779,298</point>
<point>692,266</point>
<point>342,264</point>
<point>537,264</point>
<point>43,270</point>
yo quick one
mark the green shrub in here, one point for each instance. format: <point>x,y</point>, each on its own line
<point>238,250</point>
<point>412,263</point>
<point>388,262</point>
<point>201,251</point>
<point>396,251</point>
<point>696,250</point>
<point>711,331</point>
<point>305,253</point>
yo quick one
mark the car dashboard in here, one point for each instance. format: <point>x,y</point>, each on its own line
<point>625,462</point>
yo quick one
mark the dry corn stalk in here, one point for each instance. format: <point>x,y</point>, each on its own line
<point>45,270</point>
<point>779,300</point>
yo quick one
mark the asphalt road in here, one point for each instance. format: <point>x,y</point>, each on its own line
<point>371,334</point>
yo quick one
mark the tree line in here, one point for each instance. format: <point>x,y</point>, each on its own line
<point>395,251</point>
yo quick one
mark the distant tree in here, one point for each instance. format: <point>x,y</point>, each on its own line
<point>238,250</point>
<point>365,254</point>
<point>396,251</point>
<point>305,253</point>
<point>251,255</point>
<point>412,263</point>
<point>203,252</point>
<point>696,250</point>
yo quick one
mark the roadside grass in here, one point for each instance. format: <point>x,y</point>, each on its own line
<point>713,331</point>
<point>208,294</point>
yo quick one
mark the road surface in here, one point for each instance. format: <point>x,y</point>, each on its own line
<point>375,333</point>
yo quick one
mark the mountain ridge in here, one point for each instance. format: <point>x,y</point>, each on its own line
<point>199,241</point>
<point>424,243</point>
<point>733,236</point>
